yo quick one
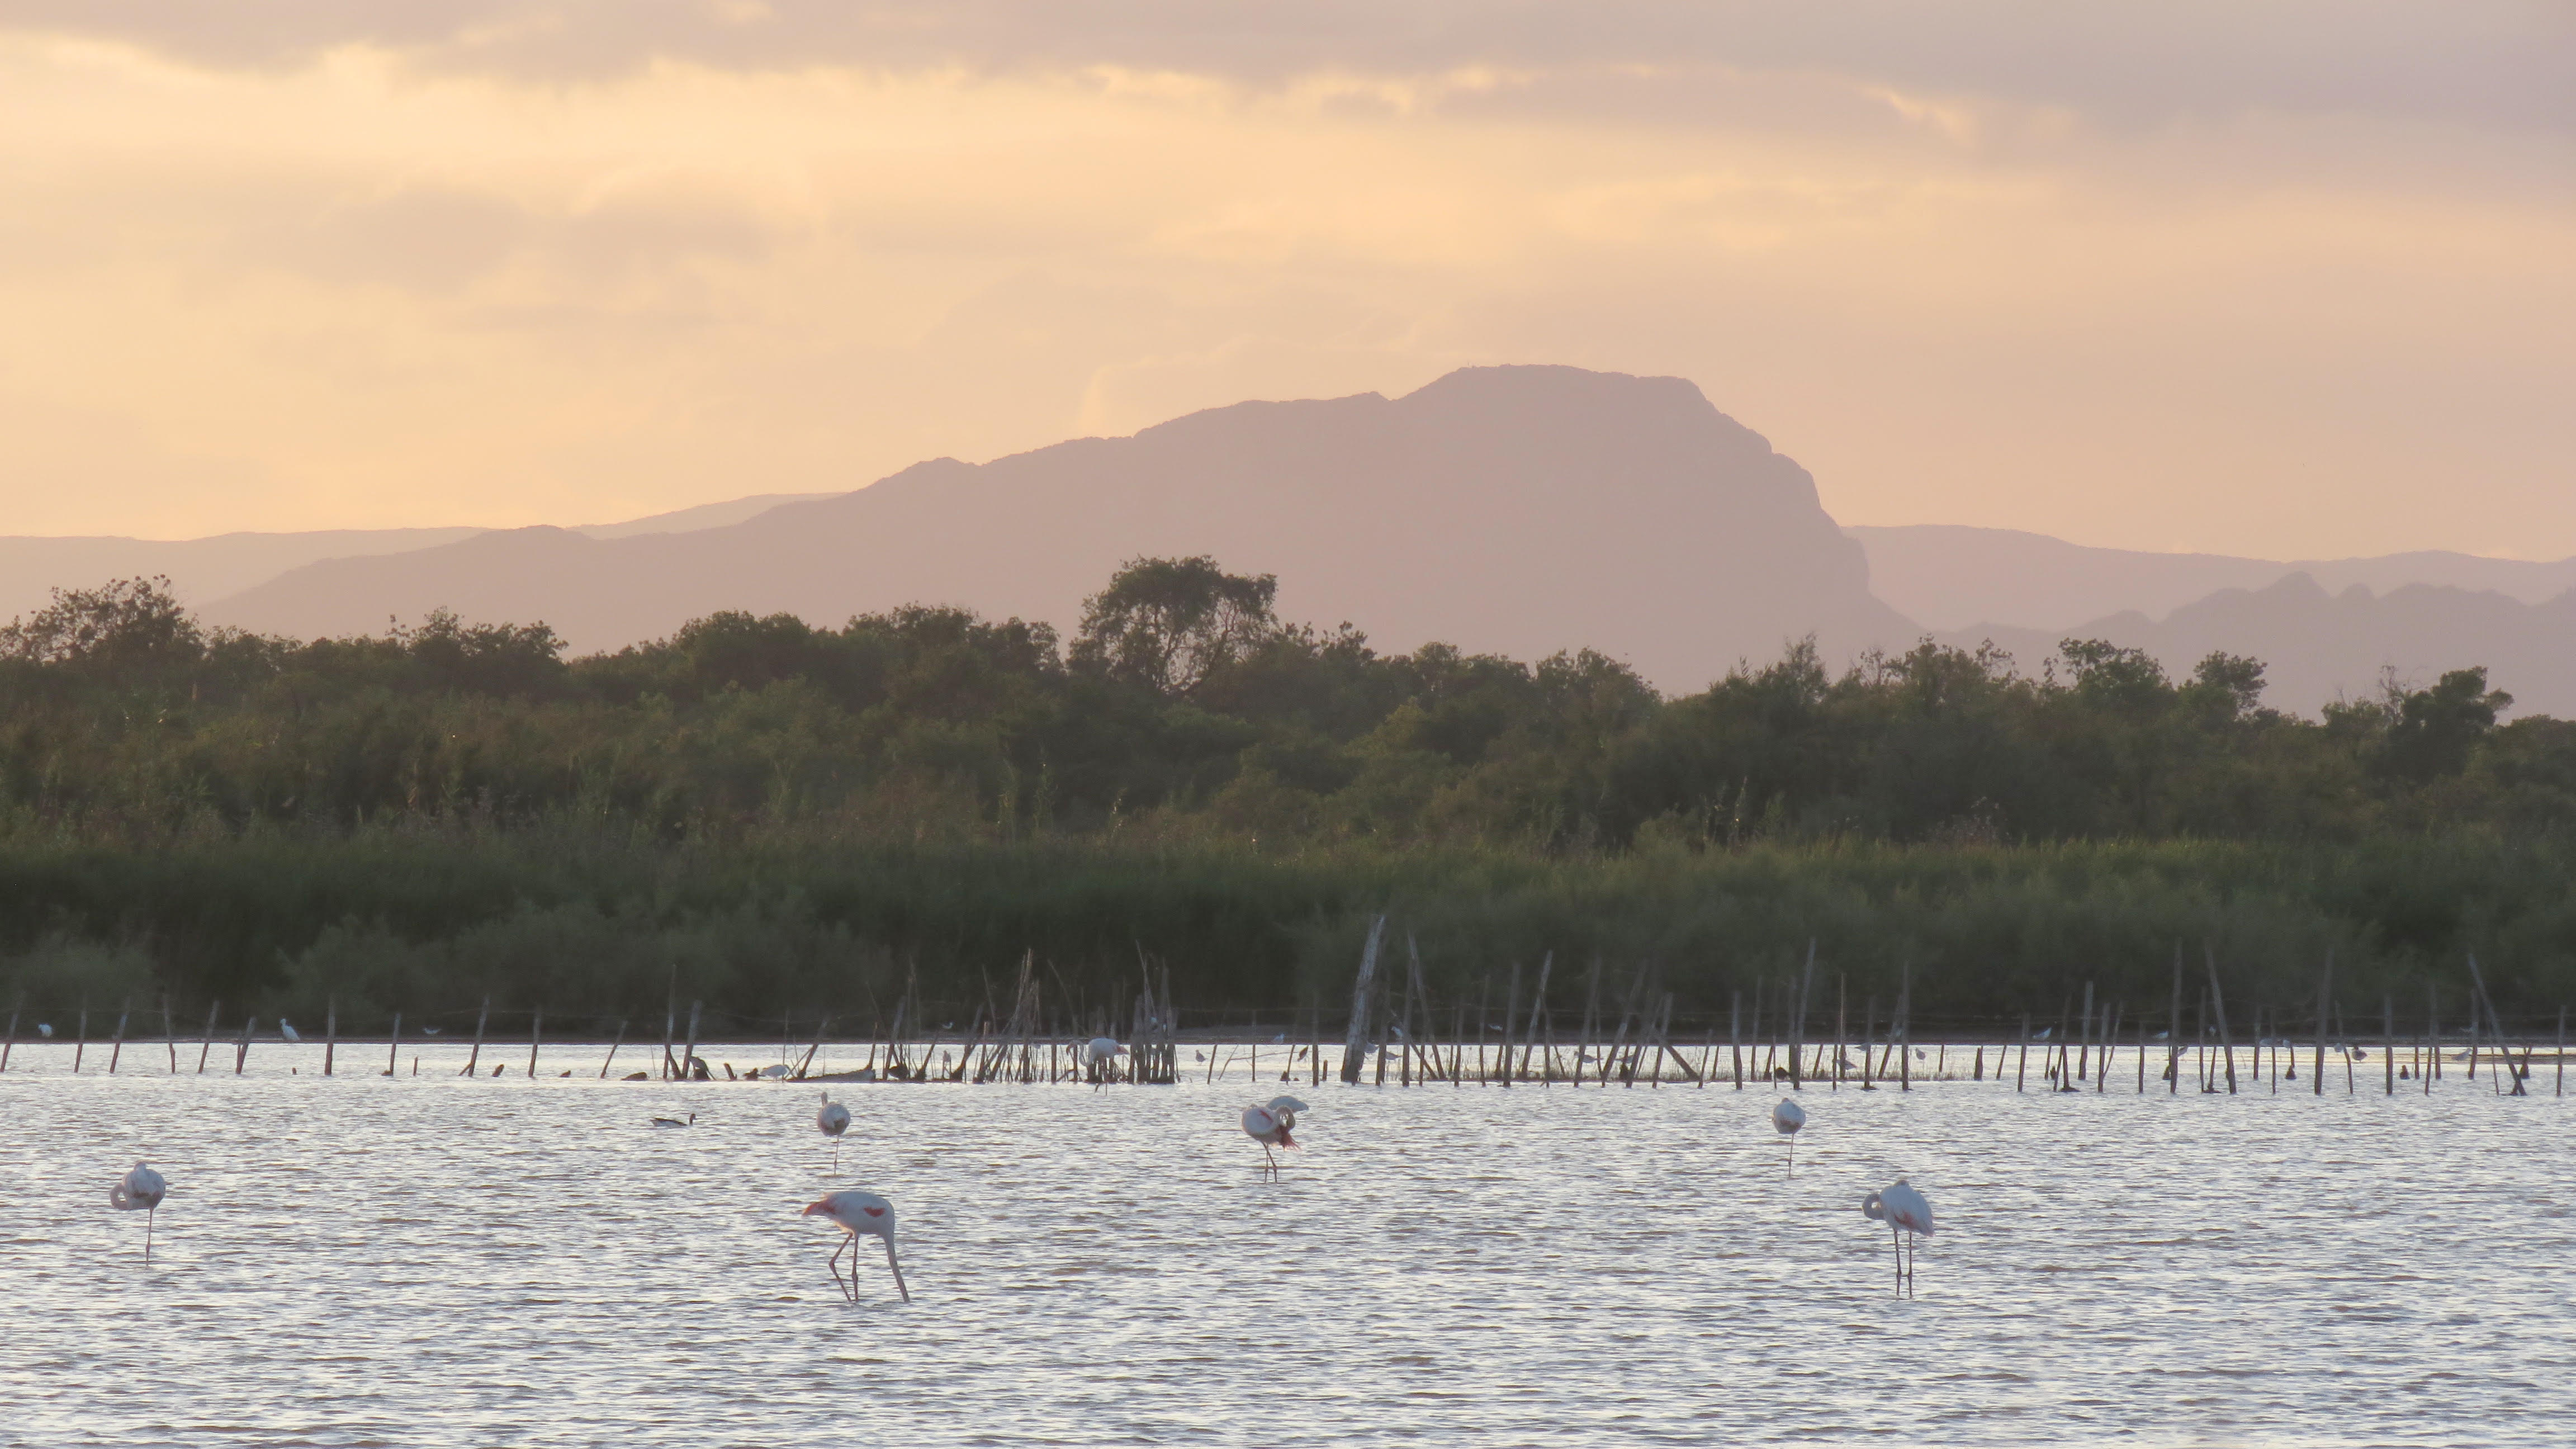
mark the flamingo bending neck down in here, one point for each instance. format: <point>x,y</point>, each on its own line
<point>1270,1125</point>
<point>1103,1051</point>
<point>140,1188</point>
<point>1786,1119</point>
<point>855,1213</point>
<point>1904,1210</point>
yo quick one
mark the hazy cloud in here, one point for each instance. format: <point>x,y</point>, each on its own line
<point>2499,62</point>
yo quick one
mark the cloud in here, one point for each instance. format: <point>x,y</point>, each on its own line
<point>2503,63</point>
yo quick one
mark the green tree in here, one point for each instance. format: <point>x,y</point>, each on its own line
<point>1167,624</point>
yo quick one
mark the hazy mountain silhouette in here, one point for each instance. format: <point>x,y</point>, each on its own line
<point>200,569</point>
<point>1514,509</point>
<point>2320,646</point>
<point>1950,576</point>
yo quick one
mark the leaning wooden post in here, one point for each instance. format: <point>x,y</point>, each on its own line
<point>689,1053</point>
<point>1905,1026</point>
<point>241,1049</point>
<point>124,1009</point>
<point>1842,1023</point>
<point>1735,1034</point>
<point>2226,1042</point>
<point>2325,990</point>
<point>671,1021</point>
<point>1511,1004</point>
<point>1357,1035</point>
<point>2388,1043</point>
<point>476,1059</point>
<point>206,1041</point>
<point>2173,1033</point>
<point>1798,1022</point>
<point>169,1034</point>
<point>2021,1068</point>
<point>393,1045</point>
<point>330,1031</point>
<point>80,1036</point>
<point>536,1033</point>
<point>2084,1062</point>
<point>11,1044</point>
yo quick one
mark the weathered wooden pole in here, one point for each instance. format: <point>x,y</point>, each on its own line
<point>206,1040</point>
<point>330,1030</point>
<point>2021,1070</point>
<point>671,1022</point>
<point>1591,1018</point>
<point>1798,1021</point>
<point>80,1037</point>
<point>11,1043</point>
<point>2218,999</point>
<point>241,1049</point>
<point>2388,1043</point>
<point>1357,1036</point>
<point>613,1044</point>
<point>536,1034</point>
<point>169,1034</point>
<point>480,1016</point>
<point>1842,1022</point>
<point>2325,1000</point>
<point>2173,1035</point>
<point>2084,1061</point>
<point>393,1045</point>
<point>689,1053</point>
<point>1735,1034</point>
<point>1537,1033</point>
<point>2562,1050</point>
<point>1905,1028</point>
<point>1511,1004</point>
<point>116,1052</point>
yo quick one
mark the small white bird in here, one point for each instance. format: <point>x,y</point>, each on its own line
<point>44,1028</point>
<point>832,1121</point>
<point>140,1188</point>
<point>1786,1119</point>
<point>286,1029</point>
<point>2042,1033</point>
<point>1276,1040</point>
<point>1270,1125</point>
<point>1103,1051</point>
<point>855,1213</point>
<point>1904,1210</point>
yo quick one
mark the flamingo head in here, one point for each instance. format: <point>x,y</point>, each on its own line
<point>1873,1209</point>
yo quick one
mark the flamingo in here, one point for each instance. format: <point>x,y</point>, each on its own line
<point>1103,1051</point>
<point>1786,1119</point>
<point>140,1188</point>
<point>1270,1126</point>
<point>1900,1207</point>
<point>832,1121</point>
<point>855,1213</point>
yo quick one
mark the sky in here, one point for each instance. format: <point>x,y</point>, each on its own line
<point>2277,277</point>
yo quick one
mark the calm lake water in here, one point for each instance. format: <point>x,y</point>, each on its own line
<point>429,1260</point>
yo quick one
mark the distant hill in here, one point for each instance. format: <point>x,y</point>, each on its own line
<point>1950,576</point>
<point>1513,509</point>
<point>200,569</point>
<point>2320,645</point>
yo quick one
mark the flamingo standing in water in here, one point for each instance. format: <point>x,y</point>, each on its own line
<point>1103,1051</point>
<point>855,1213</point>
<point>1786,1119</point>
<point>141,1188</point>
<point>1904,1209</point>
<point>1270,1126</point>
<point>832,1121</point>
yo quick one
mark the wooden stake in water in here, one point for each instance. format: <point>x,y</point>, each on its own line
<point>2226,1042</point>
<point>2021,1072</point>
<point>1904,1032</point>
<point>241,1049</point>
<point>2562,1048</point>
<point>480,1016</point>
<point>393,1046</point>
<point>689,1053</point>
<point>2325,1005</point>
<point>671,1023</point>
<point>1511,1003</point>
<point>80,1039</point>
<point>169,1034</point>
<point>1361,988</point>
<point>2173,1033</point>
<point>124,1009</point>
<point>206,1042</point>
<point>11,1044</point>
<point>2084,1062</point>
<point>2388,1043</point>
<point>1798,1021</point>
<point>330,1031</point>
<point>1842,1022</point>
<point>536,1034</point>
<point>1735,1034</point>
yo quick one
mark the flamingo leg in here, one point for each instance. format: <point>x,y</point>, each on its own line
<point>848,1291</point>
<point>150,1215</point>
<point>1270,1163</point>
<point>1897,1243</point>
<point>895,1268</point>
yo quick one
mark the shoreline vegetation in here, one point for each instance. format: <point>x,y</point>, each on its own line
<point>783,820</point>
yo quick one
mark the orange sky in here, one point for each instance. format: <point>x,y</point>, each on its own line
<point>2286,279</point>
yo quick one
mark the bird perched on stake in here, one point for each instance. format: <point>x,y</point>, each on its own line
<point>143,1189</point>
<point>1270,1126</point>
<point>1786,1119</point>
<point>286,1029</point>
<point>855,1213</point>
<point>832,1121</point>
<point>1903,1210</point>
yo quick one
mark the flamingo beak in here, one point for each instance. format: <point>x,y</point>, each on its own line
<point>813,1209</point>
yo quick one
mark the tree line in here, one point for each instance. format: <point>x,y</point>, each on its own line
<point>791,809</point>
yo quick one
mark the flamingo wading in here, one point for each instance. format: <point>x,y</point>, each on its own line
<point>856,1213</point>
<point>140,1188</point>
<point>1270,1125</point>
<point>832,1121</point>
<point>1906,1211</point>
<point>1786,1119</point>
